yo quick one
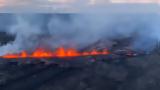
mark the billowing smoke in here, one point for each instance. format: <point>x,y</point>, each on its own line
<point>80,30</point>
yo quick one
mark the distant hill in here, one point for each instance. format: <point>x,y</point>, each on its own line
<point>5,38</point>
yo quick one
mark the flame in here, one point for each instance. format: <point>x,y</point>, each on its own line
<point>59,52</point>
<point>40,53</point>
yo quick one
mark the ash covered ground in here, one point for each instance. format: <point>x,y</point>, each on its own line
<point>137,73</point>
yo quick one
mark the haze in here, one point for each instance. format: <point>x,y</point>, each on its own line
<point>77,5</point>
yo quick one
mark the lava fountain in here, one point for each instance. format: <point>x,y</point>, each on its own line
<point>60,52</point>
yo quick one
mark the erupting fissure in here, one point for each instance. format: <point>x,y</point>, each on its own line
<point>59,52</point>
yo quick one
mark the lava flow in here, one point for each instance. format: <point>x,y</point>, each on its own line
<point>59,52</point>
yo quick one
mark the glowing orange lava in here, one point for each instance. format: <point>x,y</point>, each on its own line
<point>59,52</point>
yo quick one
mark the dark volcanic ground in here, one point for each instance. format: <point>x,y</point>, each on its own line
<point>138,73</point>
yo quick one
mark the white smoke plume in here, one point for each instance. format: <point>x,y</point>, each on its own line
<point>80,30</point>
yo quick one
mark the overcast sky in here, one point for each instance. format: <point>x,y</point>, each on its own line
<point>20,4</point>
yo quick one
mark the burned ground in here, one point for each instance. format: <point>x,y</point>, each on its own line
<point>137,73</point>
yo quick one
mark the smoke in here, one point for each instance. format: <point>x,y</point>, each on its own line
<point>80,30</point>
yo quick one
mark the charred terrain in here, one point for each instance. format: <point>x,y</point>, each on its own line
<point>117,71</point>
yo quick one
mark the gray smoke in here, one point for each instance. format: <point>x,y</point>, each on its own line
<point>80,30</point>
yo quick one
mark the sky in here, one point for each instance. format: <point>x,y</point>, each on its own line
<point>22,2</point>
<point>135,1</point>
<point>71,4</point>
<point>16,2</point>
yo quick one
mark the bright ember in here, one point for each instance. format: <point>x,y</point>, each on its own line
<point>59,52</point>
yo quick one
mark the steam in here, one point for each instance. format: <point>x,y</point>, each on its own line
<point>81,30</point>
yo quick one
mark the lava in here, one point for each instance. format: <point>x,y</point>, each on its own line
<point>59,52</point>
